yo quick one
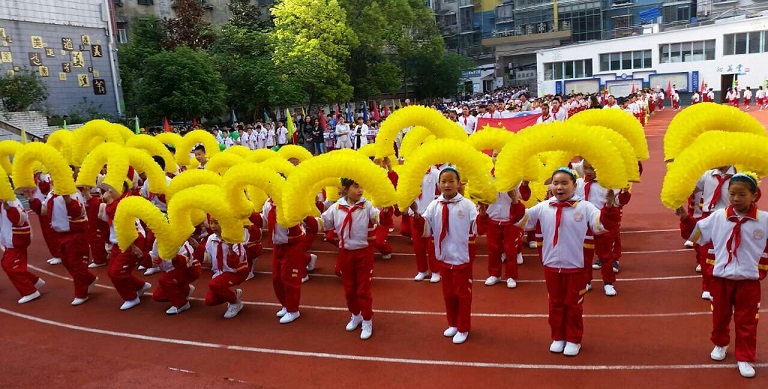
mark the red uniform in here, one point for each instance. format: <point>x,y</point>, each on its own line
<point>288,260</point>
<point>97,232</point>
<point>36,204</point>
<point>122,263</point>
<point>69,223</point>
<point>230,268</point>
<point>178,274</point>
<point>15,236</point>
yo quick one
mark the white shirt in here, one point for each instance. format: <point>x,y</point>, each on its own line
<point>363,136</point>
<point>270,142</point>
<point>153,198</point>
<point>597,193</point>
<point>760,94</point>
<point>280,234</point>
<point>707,185</point>
<point>429,189</point>
<point>59,216</point>
<point>717,228</point>
<point>7,229</point>
<point>211,253</point>
<point>454,250</point>
<point>342,132</point>
<point>614,106</point>
<point>542,119</point>
<point>560,115</point>
<point>498,211</point>
<point>695,97</point>
<point>711,95</point>
<point>355,231</point>
<point>748,94</point>
<point>468,124</point>
<point>282,136</point>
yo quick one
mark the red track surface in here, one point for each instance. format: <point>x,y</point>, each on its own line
<point>655,332</point>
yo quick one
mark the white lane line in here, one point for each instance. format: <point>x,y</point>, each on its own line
<point>524,255</point>
<point>365,358</point>
<point>650,231</point>
<point>433,313</point>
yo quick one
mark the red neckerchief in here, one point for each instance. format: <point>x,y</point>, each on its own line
<point>734,241</point>
<point>445,222</point>
<point>587,186</point>
<point>347,223</point>
<point>721,180</point>
<point>559,214</point>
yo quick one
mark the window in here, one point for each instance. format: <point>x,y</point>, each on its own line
<point>146,2</point>
<point>728,44</point>
<point>741,43</point>
<point>687,51</point>
<point>648,59</point>
<point>675,54</point>
<point>709,50</point>
<point>548,71</point>
<point>605,62</point>
<point>122,36</point>
<point>579,68</point>
<point>627,60</point>
<point>753,46</point>
<point>753,42</point>
<point>765,41</point>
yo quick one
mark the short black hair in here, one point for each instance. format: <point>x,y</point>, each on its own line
<point>200,148</point>
<point>347,182</point>
<point>567,171</point>
<point>160,161</point>
<point>743,178</point>
<point>449,169</point>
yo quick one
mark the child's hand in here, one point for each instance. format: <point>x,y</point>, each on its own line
<point>482,209</point>
<point>514,197</point>
<point>610,199</point>
<point>415,208</point>
<point>682,213</point>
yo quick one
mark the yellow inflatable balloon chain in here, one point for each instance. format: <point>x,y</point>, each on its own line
<point>154,147</point>
<point>412,116</point>
<point>620,121</point>
<point>32,155</point>
<point>415,137</point>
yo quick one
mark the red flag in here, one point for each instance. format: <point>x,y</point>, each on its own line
<point>514,124</point>
<point>632,92</point>
<point>376,115</point>
<point>386,109</point>
<point>336,112</point>
<point>166,126</point>
<point>321,116</point>
<point>669,89</point>
<point>194,122</point>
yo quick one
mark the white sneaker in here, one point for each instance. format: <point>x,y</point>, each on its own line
<point>191,290</point>
<point>281,312</point>
<point>147,286</point>
<point>141,268</point>
<point>746,369</point>
<point>420,276</point>
<point>532,245</point>
<point>94,265</point>
<point>176,311</point>
<point>92,285</point>
<point>233,310</point>
<point>386,256</point>
<point>435,278</point>
<point>589,287</point>
<point>39,284</point>
<point>312,262</point>
<point>289,317</point>
<point>460,337</point>
<point>492,280</point>
<point>597,265</point>
<point>557,346</point>
<point>305,279</point>
<point>367,329</point>
<point>718,353</point>
<point>79,301</point>
<point>450,332</point>
<point>29,297</point>
<point>354,322</point>
<point>698,268</point>
<point>511,283</point>
<point>151,271</point>
<point>706,296</point>
<point>503,257</point>
<point>688,244</point>
<point>126,305</point>
<point>520,258</point>
<point>250,276</point>
<point>609,290</point>
<point>54,261</point>
<point>571,349</point>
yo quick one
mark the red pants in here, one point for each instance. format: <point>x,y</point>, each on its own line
<point>219,291</point>
<point>73,251</point>
<point>457,293</point>
<point>381,244</point>
<point>566,288</point>
<point>604,248</point>
<point>742,299</point>
<point>311,231</point>
<point>14,263</point>
<point>287,264</point>
<point>356,275</point>
<point>660,105</point>
<point>49,236</point>
<point>405,225</point>
<point>702,253</point>
<point>174,286</point>
<point>747,102</point>
<point>675,104</point>
<point>120,272</point>
<point>424,248</point>
<point>253,250</point>
<point>97,232</point>
<point>502,239</point>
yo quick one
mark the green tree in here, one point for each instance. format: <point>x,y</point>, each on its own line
<point>312,42</point>
<point>180,84</point>
<point>146,37</point>
<point>18,91</point>
<point>434,78</point>
<point>188,28</point>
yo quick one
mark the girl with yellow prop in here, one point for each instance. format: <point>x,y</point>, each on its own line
<point>188,142</point>
<point>26,161</point>
<point>64,142</point>
<point>297,203</point>
<point>6,191</point>
<point>190,179</point>
<point>188,203</point>
<point>474,164</point>
<point>691,122</point>
<point>222,162</point>
<point>260,155</point>
<point>8,148</point>
<point>712,149</point>
<point>87,137</point>
<point>169,138</point>
<point>251,175</point>
<point>293,151</point>
<point>620,121</point>
<point>415,137</point>
<point>115,157</point>
<point>415,116</point>
<point>576,139</point>
<point>135,207</point>
<point>154,147</point>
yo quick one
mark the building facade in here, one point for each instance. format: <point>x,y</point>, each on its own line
<point>69,45</point>
<point>720,54</point>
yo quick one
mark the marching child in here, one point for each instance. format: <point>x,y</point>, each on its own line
<point>737,233</point>
<point>230,269</point>
<point>36,201</point>
<point>565,219</point>
<point>747,98</point>
<point>178,274</point>
<point>422,246</point>
<point>450,220</point>
<point>15,237</point>
<point>352,216</point>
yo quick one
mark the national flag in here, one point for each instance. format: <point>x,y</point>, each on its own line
<point>136,126</point>
<point>167,127</point>
<point>23,136</point>
<point>513,124</point>
<point>289,123</point>
<point>321,116</point>
<point>376,115</point>
<point>365,112</point>
<point>234,117</point>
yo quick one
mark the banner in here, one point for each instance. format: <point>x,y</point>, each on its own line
<point>514,124</point>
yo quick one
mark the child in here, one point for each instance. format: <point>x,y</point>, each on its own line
<point>738,235</point>
<point>270,141</point>
<point>342,134</point>
<point>422,245</point>
<point>97,231</point>
<point>282,134</point>
<point>352,216</point>
<point>200,156</point>
<point>230,269</point>
<point>564,221</point>
<point>36,201</point>
<point>450,220</point>
<point>178,274</point>
<point>15,237</point>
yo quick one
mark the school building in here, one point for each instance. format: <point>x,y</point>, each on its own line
<point>719,54</point>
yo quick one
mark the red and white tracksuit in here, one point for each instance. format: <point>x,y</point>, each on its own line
<point>382,229</point>
<point>98,230</point>
<point>230,268</point>
<point>178,274</point>
<point>452,225</point>
<point>15,236</point>
<point>564,226</point>
<point>502,236</point>
<point>353,222</point>
<point>607,245</point>
<point>713,187</point>
<point>253,246</point>
<point>741,261</point>
<point>122,263</point>
<point>69,223</point>
<point>159,201</point>
<point>288,261</point>
<point>423,245</point>
<point>43,182</point>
